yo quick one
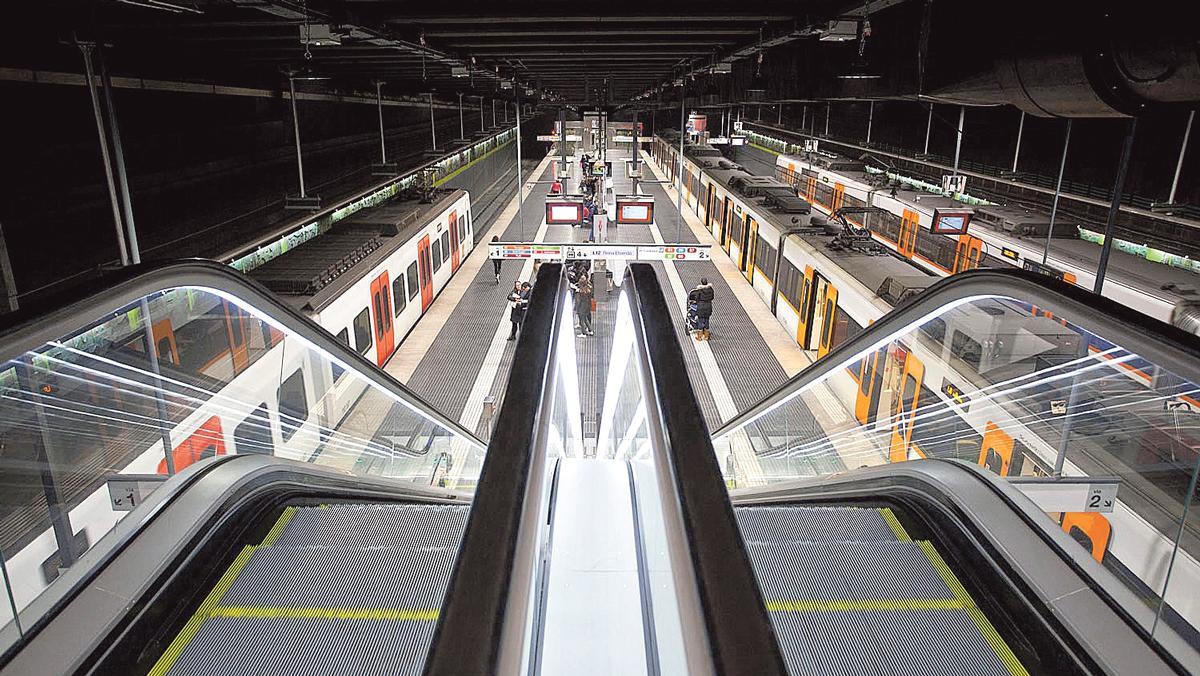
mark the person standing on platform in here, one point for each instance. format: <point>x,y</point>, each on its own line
<point>496,262</point>
<point>700,306</point>
<point>518,299</point>
<point>583,304</point>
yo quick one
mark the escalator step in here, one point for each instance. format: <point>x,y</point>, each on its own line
<point>846,572</point>
<point>817,524</point>
<point>926,642</point>
<point>361,526</point>
<point>306,647</point>
<point>399,578</point>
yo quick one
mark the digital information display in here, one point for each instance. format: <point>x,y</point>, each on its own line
<point>557,214</point>
<point>951,222</point>
<point>634,213</point>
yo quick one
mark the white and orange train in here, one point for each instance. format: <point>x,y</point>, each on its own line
<point>824,295</point>
<point>233,381</point>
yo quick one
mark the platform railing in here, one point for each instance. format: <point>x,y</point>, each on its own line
<point>1031,378</point>
<point>103,397</point>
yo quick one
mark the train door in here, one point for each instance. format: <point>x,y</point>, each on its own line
<point>805,310</point>
<point>810,191</point>
<point>381,306</point>
<point>904,407</point>
<point>828,307</point>
<point>205,442</point>
<point>727,225</point>
<point>749,238</point>
<point>425,272</point>
<point>870,384</point>
<point>967,253</point>
<point>235,329</point>
<point>791,175</point>
<point>839,192</point>
<point>907,242</point>
<point>996,452</point>
<point>708,210</point>
<point>454,255</point>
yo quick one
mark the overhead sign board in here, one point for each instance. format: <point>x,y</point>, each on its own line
<point>126,491</point>
<point>629,252</point>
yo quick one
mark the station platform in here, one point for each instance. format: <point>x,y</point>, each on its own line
<point>458,354</point>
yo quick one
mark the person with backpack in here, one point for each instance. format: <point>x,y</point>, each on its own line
<point>700,307</point>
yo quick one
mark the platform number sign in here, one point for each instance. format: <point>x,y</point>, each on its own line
<point>1101,498</point>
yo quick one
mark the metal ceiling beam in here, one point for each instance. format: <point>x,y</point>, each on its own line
<point>587,19</point>
<point>541,33</point>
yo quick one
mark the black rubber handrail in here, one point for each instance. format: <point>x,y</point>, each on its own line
<point>1158,342</point>
<point>740,634</point>
<point>58,316</point>
<point>499,547</point>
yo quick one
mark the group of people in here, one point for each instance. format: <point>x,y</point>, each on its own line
<point>518,301</point>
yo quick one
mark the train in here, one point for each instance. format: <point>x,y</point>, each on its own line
<point>830,267</point>
<point>231,381</point>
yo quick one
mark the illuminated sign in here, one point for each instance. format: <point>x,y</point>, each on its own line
<point>563,213</point>
<point>951,222</point>
<point>570,252</point>
<point>635,209</point>
<point>673,253</point>
<point>956,395</point>
<point>1010,254</point>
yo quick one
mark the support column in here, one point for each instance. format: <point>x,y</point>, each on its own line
<point>828,112</point>
<point>779,118</point>
<point>382,138</point>
<point>804,117</point>
<point>520,178</point>
<point>1017,151</point>
<point>482,129</point>
<point>494,125</point>
<point>562,140</point>
<point>296,128</point>
<point>462,129</point>
<point>958,134</point>
<point>1115,206</point>
<point>679,174</point>
<point>1187,133</point>
<point>1062,165</point>
<point>432,123</point>
<point>928,128</point>
<point>89,72</point>
<point>871,122</point>
<point>118,159</point>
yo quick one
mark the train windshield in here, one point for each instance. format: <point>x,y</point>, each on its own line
<point>1089,415</point>
<point>143,384</point>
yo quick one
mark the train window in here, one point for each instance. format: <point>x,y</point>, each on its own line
<point>362,331</point>
<point>446,243</point>
<point>398,294</point>
<point>844,328</point>
<point>164,350</point>
<point>203,339</point>
<point>866,374</point>
<point>764,257</point>
<point>966,349</point>
<point>937,248</point>
<point>343,337</point>
<point>380,315</point>
<point>936,330</point>
<point>414,284</point>
<point>253,435</point>
<point>828,322</point>
<point>235,324</point>
<point>437,254</point>
<point>385,299</point>
<point>293,405</point>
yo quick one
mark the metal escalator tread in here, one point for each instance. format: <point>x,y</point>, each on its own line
<point>860,597</point>
<point>345,589</point>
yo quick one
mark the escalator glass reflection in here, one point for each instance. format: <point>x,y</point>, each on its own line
<point>94,393</point>
<point>1025,391</point>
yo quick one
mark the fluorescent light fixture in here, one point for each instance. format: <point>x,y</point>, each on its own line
<point>316,34</point>
<point>458,71</point>
<point>162,6</point>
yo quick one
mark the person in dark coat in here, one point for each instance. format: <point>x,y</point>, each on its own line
<point>700,305</point>
<point>496,261</point>
<point>583,304</point>
<point>518,300</point>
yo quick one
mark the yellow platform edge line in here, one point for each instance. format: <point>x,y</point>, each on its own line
<point>862,605</point>
<point>981,621</point>
<point>890,518</point>
<point>395,614</point>
<point>168,658</point>
<point>277,530</point>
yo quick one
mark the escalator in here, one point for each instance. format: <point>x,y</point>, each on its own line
<point>341,553</point>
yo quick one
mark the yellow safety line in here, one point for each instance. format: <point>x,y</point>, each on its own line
<point>423,614</point>
<point>862,605</point>
<point>989,632</point>
<point>765,149</point>
<point>167,660</point>
<point>890,518</point>
<point>463,168</point>
<point>277,529</point>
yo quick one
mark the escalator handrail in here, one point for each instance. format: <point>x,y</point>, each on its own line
<point>739,632</point>
<point>55,317</point>
<point>1158,342</point>
<point>1100,612</point>
<point>487,601</point>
